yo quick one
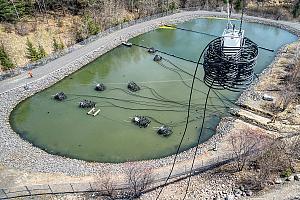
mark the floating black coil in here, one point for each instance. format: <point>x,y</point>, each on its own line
<point>232,72</point>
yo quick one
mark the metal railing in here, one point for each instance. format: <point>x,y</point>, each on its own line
<point>88,187</point>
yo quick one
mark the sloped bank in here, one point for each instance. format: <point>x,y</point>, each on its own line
<point>20,154</point>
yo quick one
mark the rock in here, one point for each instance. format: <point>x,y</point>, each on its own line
<point>242,188</point>
<point>297,107</point>
<point>157,58</point>
<point>290,178</point>
<point>278,181</point>
<point>297,177</point>
<point>237,195</point>
<point>267,97</point>
<point>249,193</point>
<point>229,197</point>
<point>237,191</point>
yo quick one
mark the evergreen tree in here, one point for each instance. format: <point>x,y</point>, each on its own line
<point>4,59</point>
<point>11,10</point>
<point>61,45</point>
<point>31,51</point>
<point>41,52</point>
<point>296,10</point>
<point>57,46</point>
<point>238,5</point>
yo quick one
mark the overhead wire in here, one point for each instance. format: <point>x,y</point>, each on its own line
<point>166,53</point>
<point>203,33</point>
<point>198,141</point>
<point>186,125</point>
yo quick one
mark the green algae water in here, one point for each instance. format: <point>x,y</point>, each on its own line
<point>63,128</point>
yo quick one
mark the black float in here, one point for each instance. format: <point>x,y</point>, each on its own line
<point>141,121</point>
<point>100,87</point>
<point>60,96</point>
<point>87,104</point>
<point>164,131</point>
<point>133,87</point>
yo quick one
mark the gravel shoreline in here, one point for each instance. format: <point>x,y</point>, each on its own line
<point>20,154</point>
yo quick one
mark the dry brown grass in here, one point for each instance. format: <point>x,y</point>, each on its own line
<point>39,32</point>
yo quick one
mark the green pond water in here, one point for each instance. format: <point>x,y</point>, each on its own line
<point>65,129</point>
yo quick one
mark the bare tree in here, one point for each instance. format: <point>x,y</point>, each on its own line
<point>109,188</point>
<point>294,149</point>
<point>245,145</point>
<point>272,160</point>
<point>138,180</point>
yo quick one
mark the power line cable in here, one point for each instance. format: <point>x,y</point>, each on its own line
<point>166,53</point>
<point>186,124</point>
<point>203,119</point>
<point>198,32</point>
<point>197,145</point>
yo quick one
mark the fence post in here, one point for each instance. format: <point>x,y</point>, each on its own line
<point>28,190</point>
<point>4,193</point>
<point>72,187</point>
<point>50,189</point>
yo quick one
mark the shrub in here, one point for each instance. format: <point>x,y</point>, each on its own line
<point>79,36</point>
<point>173,6</point>
<point>60,23</point>
<point>92,26</point>
<point>57,46</point>
<point>286,173</point>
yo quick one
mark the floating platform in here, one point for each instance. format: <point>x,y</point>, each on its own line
<point>127,44</point>
<point>94,112</point>
<point>172,27</point>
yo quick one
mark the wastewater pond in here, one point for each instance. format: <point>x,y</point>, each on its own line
<point>62,128</point>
